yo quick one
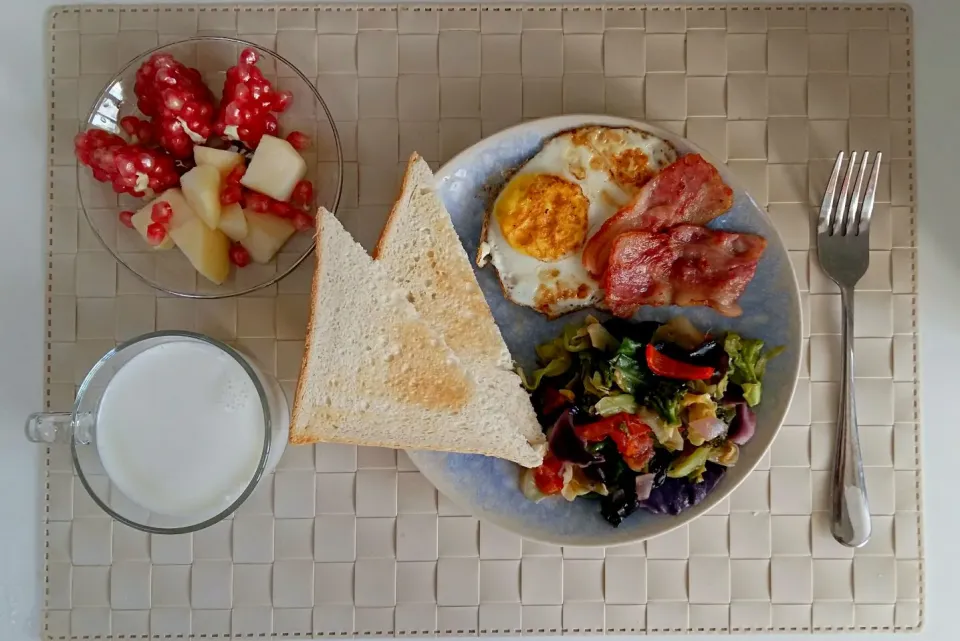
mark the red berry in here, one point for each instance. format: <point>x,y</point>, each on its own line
<point>302,221</point>
<point>236,174</point>
<point>282,209</point>
<point>239,255</point>
<point>231,194</point>
<point>161,212</point>
<point>258,202</point>
<point>302,194</point>
<point>299,140</point>
<point>126,217</point>
<point>156,233</point>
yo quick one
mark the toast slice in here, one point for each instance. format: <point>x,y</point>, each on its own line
<point>375,373</point>
<point>422,252</point>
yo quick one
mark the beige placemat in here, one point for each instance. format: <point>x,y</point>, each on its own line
<point>345,540</point>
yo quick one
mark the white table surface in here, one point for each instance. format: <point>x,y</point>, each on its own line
<point>23,116</point>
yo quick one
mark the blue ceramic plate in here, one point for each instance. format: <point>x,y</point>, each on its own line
<point>488,487</point>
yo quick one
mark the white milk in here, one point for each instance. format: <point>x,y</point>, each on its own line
<point>180,429</point>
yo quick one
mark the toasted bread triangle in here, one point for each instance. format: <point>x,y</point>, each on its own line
<point>375,373</point>
<point>422,252</point>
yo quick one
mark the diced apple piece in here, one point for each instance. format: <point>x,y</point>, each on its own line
<point>266,234</point>
<point>275,169</point>
<point>201,188</point>
<point>222,159</point>
<point>205,248</point>
<point>181,214</point>
<point>233,223</point>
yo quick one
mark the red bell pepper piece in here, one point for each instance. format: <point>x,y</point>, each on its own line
<point>633,437</point>
<point>662,365</point>
<point>548,477</point>
<point>553,401</point>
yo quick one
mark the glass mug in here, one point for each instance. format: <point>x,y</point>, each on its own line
<point>171,431</point>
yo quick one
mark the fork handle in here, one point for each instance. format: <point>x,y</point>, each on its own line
<point>850,513</point>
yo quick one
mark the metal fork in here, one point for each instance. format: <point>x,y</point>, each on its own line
<point>843,248</point>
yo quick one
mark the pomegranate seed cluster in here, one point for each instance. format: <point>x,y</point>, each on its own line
<point>178,101</point>
<point>249,103</point>
<point>129,168</point>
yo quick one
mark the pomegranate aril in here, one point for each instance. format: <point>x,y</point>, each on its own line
<point>231,194</point>
<point>129,124</point>
<point>239,255</point>
<point>270,125</point>
<point>156,233</point>
<point>233,178</point>
<point>281,101</point>
<point>298,140</point>
<point>139,131</point>
<point>302,221</point>
<point>302,193</point>
<point>161,212</point>
<point>126,218</point>
<point>249,56</point>
<point>282,209</point>
<point>258,202</point>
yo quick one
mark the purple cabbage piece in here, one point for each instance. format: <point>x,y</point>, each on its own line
<point>744,424</point>
<point>676,495</point>
<point>565,444</point>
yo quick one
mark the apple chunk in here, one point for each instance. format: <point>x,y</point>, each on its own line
<point>275,169</point>
<point>266,234</point>
<point>201,188</point>
<point>181,214</point>
<point>222,159</point>
<point>233,223</point>
<point>206,249</point>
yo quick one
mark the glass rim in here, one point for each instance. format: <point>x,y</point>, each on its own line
<point>280,275</point>
<point>264,452</point>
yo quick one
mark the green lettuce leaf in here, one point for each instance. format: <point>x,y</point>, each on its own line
<point>615,404</point>
<point>629,373</point>
<point>748,363</point>
<point>555,360</point>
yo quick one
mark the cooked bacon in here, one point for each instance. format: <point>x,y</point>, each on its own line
<point>690,190</point>
<point>685,265</point>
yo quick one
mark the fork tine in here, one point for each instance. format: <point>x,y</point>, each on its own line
<point>867,210</point>
<point>825,222</point>
<point>840,220</point>
<point>853,220</point>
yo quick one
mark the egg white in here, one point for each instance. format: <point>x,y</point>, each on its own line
<point>523,277</point>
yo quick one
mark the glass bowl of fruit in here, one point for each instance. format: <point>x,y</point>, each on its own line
<point>201,166</point>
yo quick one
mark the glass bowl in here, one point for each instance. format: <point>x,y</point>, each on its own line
<point>170,271</point>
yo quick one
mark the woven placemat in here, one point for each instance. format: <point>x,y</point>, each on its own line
<point>343,540</point>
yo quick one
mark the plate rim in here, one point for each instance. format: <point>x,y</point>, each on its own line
<point>553,125</point>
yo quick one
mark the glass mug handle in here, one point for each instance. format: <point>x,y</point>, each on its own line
<point>58,427</point>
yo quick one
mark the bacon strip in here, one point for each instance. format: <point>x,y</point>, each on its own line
<point>690,190</point>
<point>685,265</point>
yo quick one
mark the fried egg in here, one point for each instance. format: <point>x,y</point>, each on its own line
<point>535,232</point>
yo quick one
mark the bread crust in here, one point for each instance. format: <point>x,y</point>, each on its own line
<point>394,211</point>
<point>298,438</point>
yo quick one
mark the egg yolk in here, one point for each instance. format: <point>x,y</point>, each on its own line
<point>543,216</point>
